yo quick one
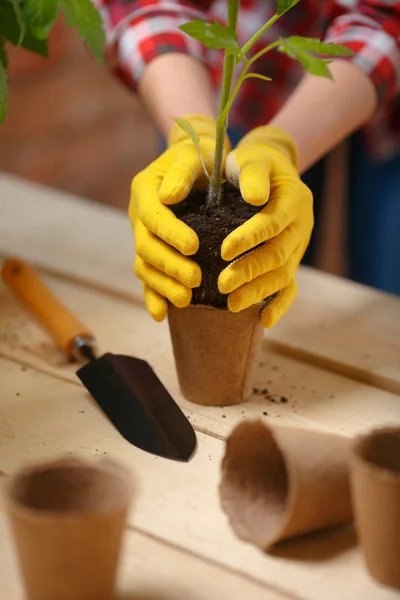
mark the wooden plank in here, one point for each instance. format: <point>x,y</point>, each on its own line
<point>342,326</point>
<point>348,328</point>
<point>316,397</point>
<point>79,239</point>
<point>179,575</point>
<point>176,502</point>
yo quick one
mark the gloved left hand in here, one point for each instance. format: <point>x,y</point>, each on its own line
<point>164,244</point>
<point>264,167</point>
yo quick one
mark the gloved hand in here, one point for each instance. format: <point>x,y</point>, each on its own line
<point>264,165</point>
<point>163,242</point>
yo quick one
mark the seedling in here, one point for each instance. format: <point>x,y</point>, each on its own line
<point>313,54</point>
<point>28,23</point>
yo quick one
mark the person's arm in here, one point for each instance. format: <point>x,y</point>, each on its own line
<point>320,113</point>
<point>148,51</point>
<point>176,85</point>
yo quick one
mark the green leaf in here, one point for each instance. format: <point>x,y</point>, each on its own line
<point>257,76</point>
<point>283,6</point>
<point>213,35</point>
<point>304,50</point>
<point>21,19</point>
<point>83,15</point>
<point>34,45</point>
<point>317,47</point>
<point>11,31</point>
<point>3,54</point>
<point>3,92</point>
<point>312,64</point>
<point>188,128</point>
<point>41,15</point>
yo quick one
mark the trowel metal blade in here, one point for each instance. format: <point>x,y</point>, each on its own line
<point>136,402</point>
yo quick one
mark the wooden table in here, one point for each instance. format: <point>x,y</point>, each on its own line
<point>335,356</point>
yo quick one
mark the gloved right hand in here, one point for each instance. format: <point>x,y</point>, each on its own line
<point>163,243</point>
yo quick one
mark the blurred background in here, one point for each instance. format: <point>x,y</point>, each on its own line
<point>72,125</point>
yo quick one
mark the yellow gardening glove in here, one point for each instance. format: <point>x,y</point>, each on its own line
<point>163,242</point>
<point>264,167</point>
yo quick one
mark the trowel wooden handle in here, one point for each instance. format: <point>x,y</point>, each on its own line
<point>25,282</point>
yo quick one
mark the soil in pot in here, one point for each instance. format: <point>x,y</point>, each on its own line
<point>212,225</point>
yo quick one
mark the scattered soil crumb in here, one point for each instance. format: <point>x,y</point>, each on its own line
<point>18,394</point>
<point>265,413</point>
<point>224,416</point>
<point>283,400</point>
<point>331,396</point>
<point>274,368</point>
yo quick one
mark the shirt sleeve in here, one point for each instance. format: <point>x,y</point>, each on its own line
<point>371,28</point>
<point>138,31</point>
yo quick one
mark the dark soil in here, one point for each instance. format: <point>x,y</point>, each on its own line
<point>213,225</point>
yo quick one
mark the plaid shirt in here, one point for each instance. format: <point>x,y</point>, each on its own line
<point>140,30</point>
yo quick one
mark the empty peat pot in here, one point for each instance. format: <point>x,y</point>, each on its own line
<point>280,483</point>
<point>375,484</point>
<point>216,352</point>
<point>68,518</point>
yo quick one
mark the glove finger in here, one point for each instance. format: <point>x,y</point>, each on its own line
<point>250,175</point>
<point>266,258</point>
<point>178,294</point>
<point>265,285</point>
<point>165,258</point>
<point>279,305</point>
<point>156,305</point>
<point>159,219</point>
<point>180,177</point>
<point>282,209</point>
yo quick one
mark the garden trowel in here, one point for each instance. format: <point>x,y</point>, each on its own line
<point>126,388</point>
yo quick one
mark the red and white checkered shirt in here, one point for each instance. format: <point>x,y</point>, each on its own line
<point>139,30</point>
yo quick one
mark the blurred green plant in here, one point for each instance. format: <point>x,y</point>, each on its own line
<point>28,24</point>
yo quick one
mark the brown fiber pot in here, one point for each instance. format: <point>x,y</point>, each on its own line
<point>279,483</point>
<point>68,519</point>
<point>375,483</point>
<point>216,352</point>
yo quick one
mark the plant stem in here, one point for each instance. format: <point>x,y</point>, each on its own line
<point>263,51</point>
<point>259,33</point>
<point>242,77</point>
<point>228,104</point>
<point>222,123</point>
